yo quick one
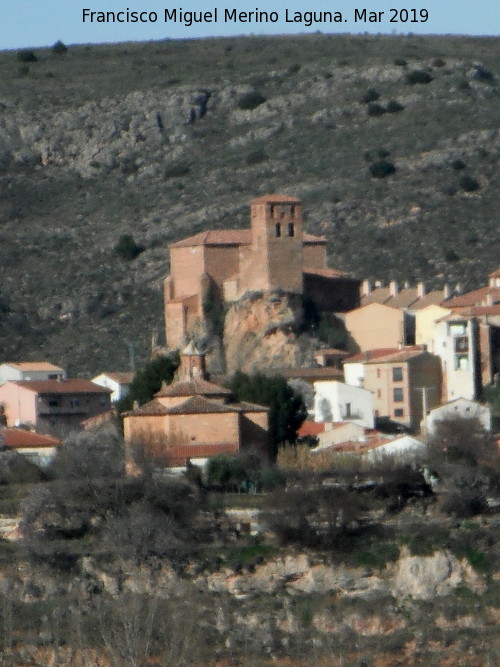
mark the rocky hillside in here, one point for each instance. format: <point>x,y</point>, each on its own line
<point>392,142</point>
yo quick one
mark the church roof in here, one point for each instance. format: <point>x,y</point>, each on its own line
<point>194,405</point>
<point>276,199</point>
<point>232,237</point>
<point>192,388</point>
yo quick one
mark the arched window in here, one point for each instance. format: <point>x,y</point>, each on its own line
<point>290,229</point>
<point>277,229</point>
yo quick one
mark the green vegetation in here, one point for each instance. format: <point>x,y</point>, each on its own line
<point>59,48</point>
<point>251,100</point>
<point>127,248</point>
<point>27,56</point>
<point>149,379</point>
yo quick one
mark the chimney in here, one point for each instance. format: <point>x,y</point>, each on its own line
<point>446,291</point>
<point>421,290</point>
<point>489,299</point>
<point>393,288</point>
<point>366,287</point>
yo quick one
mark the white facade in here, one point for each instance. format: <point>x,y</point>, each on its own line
<point>405,448</point>
<point>354,373</point>
<point>338,402</point>
<point>119,389</point>
<point>461,408</point>
<point>455,342</point>
<point>30,371</point>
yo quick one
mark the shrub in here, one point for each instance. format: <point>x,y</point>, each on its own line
<point>458,165</point>
<point>439,62</point>
<point>26,56</point>
<point>375,109</point>
<point>127,248</point>
<point>382,168</point>
<point>257,156</point>
<point>59,48</point>
<point>294,69</point>
<point>418,76</point>
<point>482,74</point>
<point>251,100</point>
<point>394,107</point>
<point>370,96</point>
<point>177,170</point>
<point>400,62</point>
<point>469,184</point>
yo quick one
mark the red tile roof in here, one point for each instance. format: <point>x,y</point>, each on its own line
<point>232,237</point>
<point>400,356</point>
<point>34,366</point>
<point>74,386</point>
<point>495,273</point>
<point>485,310</point>
<point>200,387</point>
<point>311,428</point>
<point>477,297</point>
<point>276,199</point>
<point>371,354</point>
<point>124,377</point>
<point>192,406</point>
<point>19,438</point>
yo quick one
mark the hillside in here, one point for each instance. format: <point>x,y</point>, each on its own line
<point>96,143</point>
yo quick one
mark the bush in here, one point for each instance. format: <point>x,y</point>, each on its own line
<point>251,100</point>
<point>127,248</point>
<point>400,62</point>
<point>375,109</point>
<point>382,168</point>
<point>177,170</point>
<point>370,96</point>
<point>59,48</point>
<point>458,165</point>
<point>257,156</point>
<point>26,56</point>
<point>469,184</point>
<point>394,107</point>
<point>418,76</point>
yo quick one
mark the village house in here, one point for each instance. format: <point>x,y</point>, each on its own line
<point>30,370</point>
<point>376,325</point>
<point>193,419</point>
<point>460,408</point>
<point>52,406</point>
<point>218,266</point>
<point>39,449</point>
<point>119,383</point>
<point>336,401</point>
<point>404,384</point>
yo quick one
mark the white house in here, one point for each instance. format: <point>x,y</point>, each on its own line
<point>460,407</point>
<point>403,449</point>
<point>30,370</point>
<point>119,383</point>
<point>456,343</point>
<point>339,402</point>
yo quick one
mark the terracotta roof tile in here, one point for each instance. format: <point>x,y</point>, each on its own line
<point>200,387</point>
<point>74,386</point>
<point>325,273</point>
<point>404,298</point>
<point>120,377</point>
<point>34,366</point>
<point>232,237</point>
<point>18,438</point>
<point>475,298</point>
<point>432,298</point>
<point>399,356</point>
<point>276,199</point>
<point>495,273</point>
<point>370,355</point>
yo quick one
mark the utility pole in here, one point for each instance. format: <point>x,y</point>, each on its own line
<point>425,406</point>
<point>131,350</point>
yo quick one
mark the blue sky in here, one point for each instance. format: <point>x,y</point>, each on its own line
<point>37,23</point>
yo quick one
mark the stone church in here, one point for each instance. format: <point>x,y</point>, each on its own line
<point>274,254</point>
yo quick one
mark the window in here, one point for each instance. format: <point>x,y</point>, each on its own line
<point>379,393</point>
<point>292,211</point>
<point>378,372</point>
<point>398,395</point>
<point>347,410</point>
<point>457,328</point>
<point>53,402</point>
<point>399,412</point>
<point>277,230</point>
<point>290,229</point>
<point>271,211</point>
<point>461,362</point>
<point>461,344</point>
<point>397,374</point>
<point>75,402</point>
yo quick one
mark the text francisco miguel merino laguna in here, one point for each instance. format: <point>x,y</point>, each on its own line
<point>188,18</point>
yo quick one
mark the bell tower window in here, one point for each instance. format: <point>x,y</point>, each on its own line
<point>291,229</point>
<point>277,230</point>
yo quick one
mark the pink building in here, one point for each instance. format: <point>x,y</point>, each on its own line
<point>52,406</point>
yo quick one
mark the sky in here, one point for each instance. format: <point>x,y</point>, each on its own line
<point>36,23</point>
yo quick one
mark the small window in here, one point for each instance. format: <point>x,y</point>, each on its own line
<point>53,403</point>
<point>347,410</point>
<point>398,395</point>
<point>399,412</point>
<point>292,211</point>
<point>378,372</point>
<point>291,229</point>
<point>379,393</point>
<point>397,374</point>
<point>271,211</point>
<point>277,230</point>
<point>283,209</point>
<point>461,362</point>
<point>75,402</point>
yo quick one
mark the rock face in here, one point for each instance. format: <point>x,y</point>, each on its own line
<point>263,331</point>
<point>424,578</point>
